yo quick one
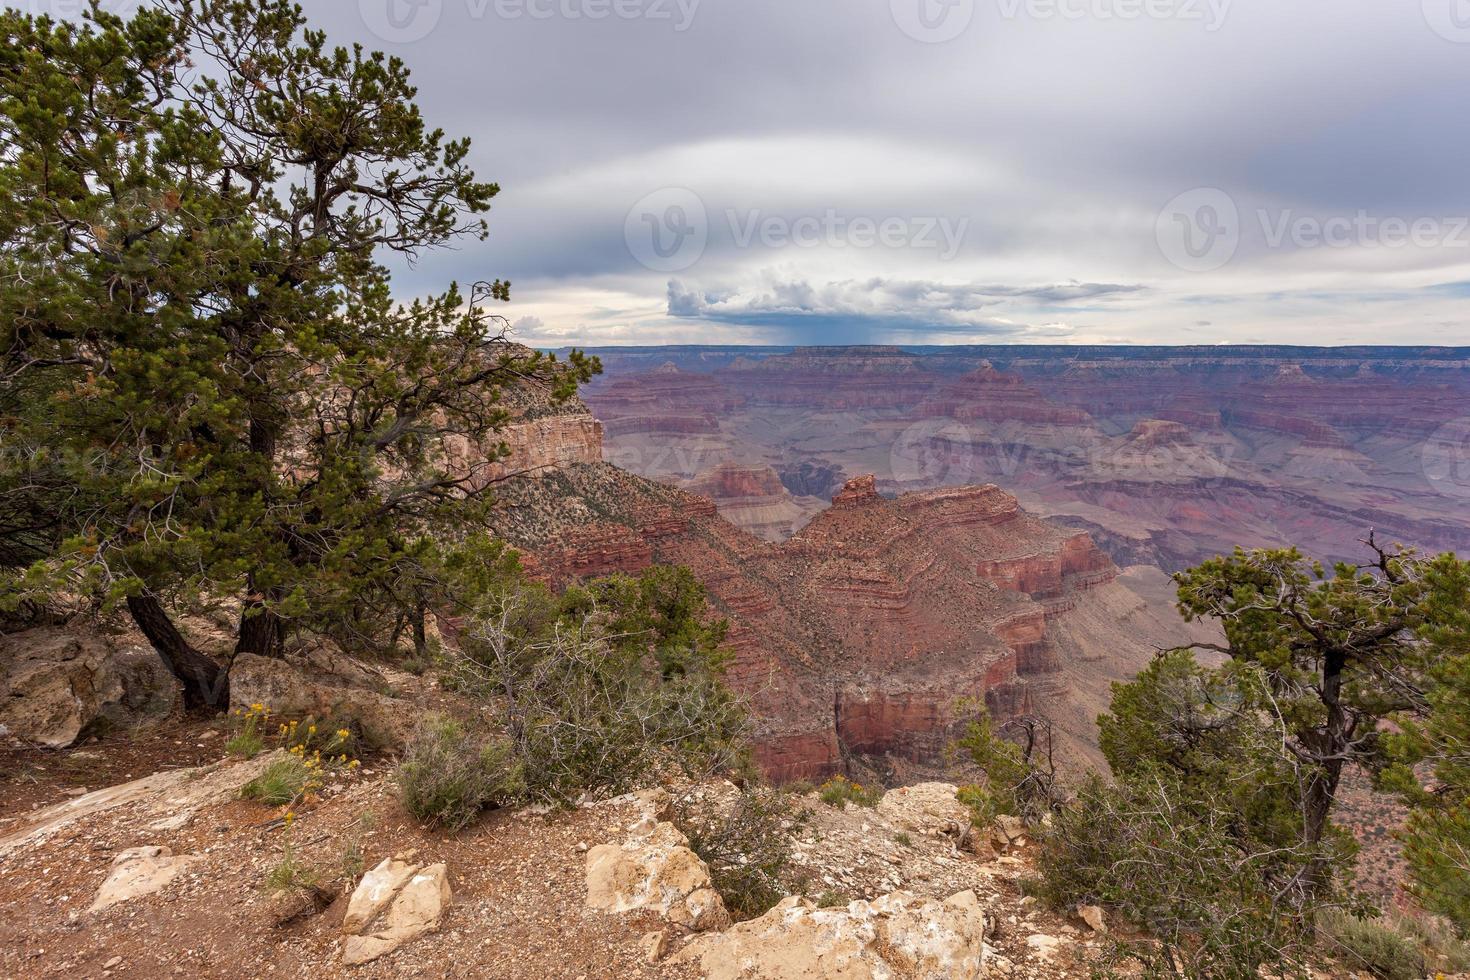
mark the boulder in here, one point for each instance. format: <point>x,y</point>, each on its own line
<point>1007,832</point>
<point>657,873</point>
<point>1095,918</point>
<point>928,808</point>
<point>300,688</point>
<point>136,872</point>
<point>374,892</point>
<point>58,684</point>
<point>896,935</point>
<point>415,899</point>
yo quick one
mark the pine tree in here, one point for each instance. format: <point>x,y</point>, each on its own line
<point>1437,833</point>
<point>207,388</point>
<point>1337,652</point>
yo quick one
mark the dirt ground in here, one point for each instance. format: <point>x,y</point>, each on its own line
<point>518,878</point>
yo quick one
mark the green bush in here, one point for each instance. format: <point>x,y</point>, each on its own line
<point>1020,776</point>
<point>448,775</point>
<point>1175,866</point>
<point>747,846</point>
<point>603,686</point>
<point>840,790</point>
<point>1376,945</point>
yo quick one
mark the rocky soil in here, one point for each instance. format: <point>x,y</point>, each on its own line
<point>517,903</point>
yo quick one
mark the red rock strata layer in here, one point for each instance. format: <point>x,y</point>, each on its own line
<point>869,631</point>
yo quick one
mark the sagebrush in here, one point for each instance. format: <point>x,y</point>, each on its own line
<point>450,775</point>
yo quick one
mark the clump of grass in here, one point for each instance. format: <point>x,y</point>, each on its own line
<point>903,839</point>
<point>285,781</point>
<point>832,900</point>
<point>354,860</point>
<point>840,790</point>
<point>290,873</point>
<point>249,739</point>
<point>1391,947</point>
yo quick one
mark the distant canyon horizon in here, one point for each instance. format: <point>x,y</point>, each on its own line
<point>1166,455</point>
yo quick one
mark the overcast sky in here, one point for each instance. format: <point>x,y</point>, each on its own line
<point>943,171</point>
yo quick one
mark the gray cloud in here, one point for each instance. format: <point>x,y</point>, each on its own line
<point>1059,140</point>
<point>882,309</point>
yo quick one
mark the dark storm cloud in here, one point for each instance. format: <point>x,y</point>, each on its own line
<point>879,309</point>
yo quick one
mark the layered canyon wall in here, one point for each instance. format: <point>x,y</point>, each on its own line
<point>877,627</point>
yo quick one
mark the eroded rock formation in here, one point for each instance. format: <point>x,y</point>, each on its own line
<point>753,497</point>
<point>879,625</point>
<point>1165,455</point>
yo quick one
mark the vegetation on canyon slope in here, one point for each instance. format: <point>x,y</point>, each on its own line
<point>1216,834</point>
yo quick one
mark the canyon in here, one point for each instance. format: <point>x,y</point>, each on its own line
<point>881,625</point>
<point>898,536</point>
<point>1166,455</point>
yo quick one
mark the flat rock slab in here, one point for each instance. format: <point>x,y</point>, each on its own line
<point>415,899</point>
<point>137,872</point>
<point>896,935</point>
<point>172,797</point>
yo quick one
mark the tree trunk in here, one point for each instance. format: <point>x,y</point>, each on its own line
<point>1321,791</point>
<point>1320,796</point>
<point>420,636</point>
<point>262,632</point>
<point>206,683</point>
